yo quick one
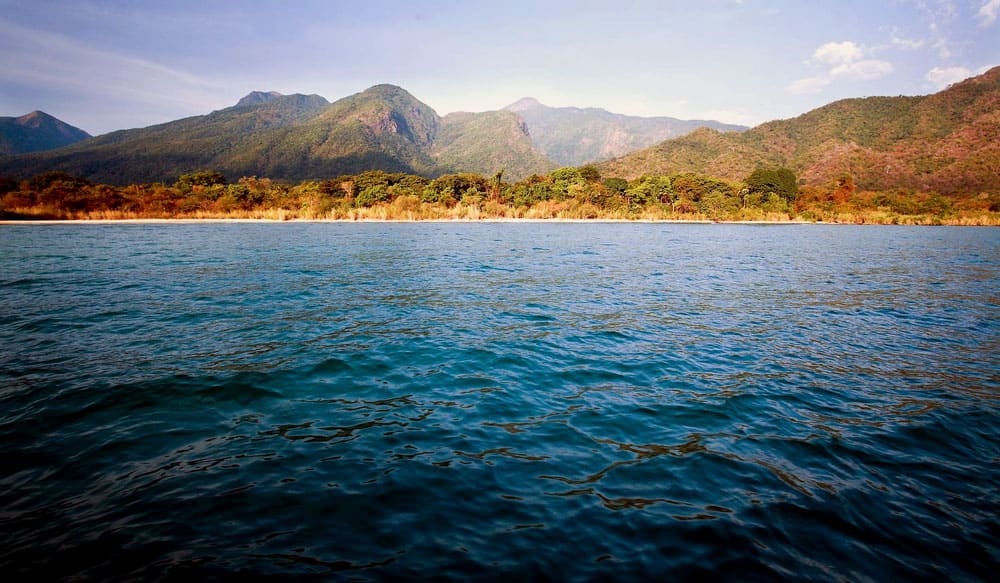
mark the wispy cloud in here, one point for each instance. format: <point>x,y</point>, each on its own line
<point>940,41</point>
<point>988,13</point>
<point>51,62</point>
<point>866,70</point>
<point>842,60</point>
<point>809,84</point>
<point>905,44</point>
<point>942,77</point>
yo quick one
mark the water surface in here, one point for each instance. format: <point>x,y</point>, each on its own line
<point>486,401</point>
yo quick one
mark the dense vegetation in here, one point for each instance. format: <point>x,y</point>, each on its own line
<point>767,194</point>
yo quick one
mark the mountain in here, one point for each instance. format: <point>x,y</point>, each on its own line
<point>239,140</point>
<point>258,97</point>
<point>948,142</point>
<point>36,132</point>
<point>299,137</point>
<point>572,136</point>
<point>487,142</point>
<point>383,127</point>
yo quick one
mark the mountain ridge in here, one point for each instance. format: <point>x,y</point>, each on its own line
<point>947,141</point>
<point>573,136</point>
<point>298,137</point>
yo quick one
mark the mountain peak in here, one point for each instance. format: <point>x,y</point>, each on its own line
<point>258,97</point>
<point>388,91</point>
<point>34,118</point>
<point>35,132</point>
<point>524,104</point>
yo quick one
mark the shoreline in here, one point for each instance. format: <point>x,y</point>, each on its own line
<point>403,221</point>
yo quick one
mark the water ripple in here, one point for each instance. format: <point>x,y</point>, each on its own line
<point>444,401</point>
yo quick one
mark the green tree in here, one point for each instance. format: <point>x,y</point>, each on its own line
<point>372,195</point>
<point>780,181</point>
<point>43,181</point>
<point>692,187</point>
<point>651,189</point>
<point>204,178</point>
<point>455,187</point>
<point>615,185</point>
<point>590,173</point>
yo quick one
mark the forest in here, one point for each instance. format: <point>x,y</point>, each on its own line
<point>767,194</point>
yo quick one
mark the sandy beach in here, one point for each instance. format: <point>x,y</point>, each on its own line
<point>488,220</point>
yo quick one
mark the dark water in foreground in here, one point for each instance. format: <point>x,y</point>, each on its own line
<point>483,401</point>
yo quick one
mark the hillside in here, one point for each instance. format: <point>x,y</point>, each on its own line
<point>36,132</point>
<point>947,142</point>
<point>238,140</point>
<point>572,136</point>
<point>299,137</point>
<point>488,142</point>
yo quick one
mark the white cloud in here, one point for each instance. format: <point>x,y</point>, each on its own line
<point>838,53</point>
<point>988,13</point>
<point>842,60</point>
<point>862,70</point>
<point>942,77</point>
<point>905,43</point>
<point>808,85</point>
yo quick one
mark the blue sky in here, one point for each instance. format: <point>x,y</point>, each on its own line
<point>107,65</point>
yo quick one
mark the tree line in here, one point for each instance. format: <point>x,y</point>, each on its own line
<point>571,192</point>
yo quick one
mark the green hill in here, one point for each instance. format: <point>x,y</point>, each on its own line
<point>488,142</point>
<point>36,132</point>
<point>238,140</point>
<point>947,142</point>
<point>572,136</point>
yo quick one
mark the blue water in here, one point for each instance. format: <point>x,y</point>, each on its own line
<point>499,401</point>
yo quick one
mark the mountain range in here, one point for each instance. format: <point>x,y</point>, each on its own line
<point>299,137</point>
<point>572,136</point>
<point>36,132</point>
<point>948,142</point>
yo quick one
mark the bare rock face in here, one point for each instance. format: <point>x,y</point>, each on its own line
<point>573,136</point>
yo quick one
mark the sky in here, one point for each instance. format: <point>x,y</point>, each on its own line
<point>104,65</point>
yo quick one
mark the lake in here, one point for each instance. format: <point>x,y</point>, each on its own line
<point>456,401</point>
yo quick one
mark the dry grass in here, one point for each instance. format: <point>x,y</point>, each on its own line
<point>410,208</point>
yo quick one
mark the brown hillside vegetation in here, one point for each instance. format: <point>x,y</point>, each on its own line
<point>947,143</point>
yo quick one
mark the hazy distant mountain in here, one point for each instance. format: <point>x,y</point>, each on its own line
<point>36,132</point>
<point>298,137</point>
<point>572,136</point>
<point>947,142</point>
